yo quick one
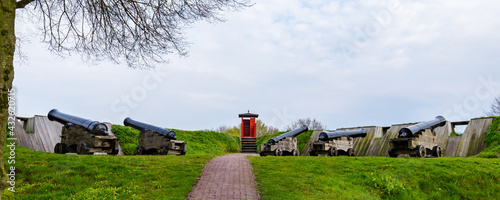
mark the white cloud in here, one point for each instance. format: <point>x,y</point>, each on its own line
<point>287,55</point>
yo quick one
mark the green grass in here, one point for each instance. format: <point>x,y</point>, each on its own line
<point>453,134</point>
<point>492,140</point>
<point>303,139</point>
<point>198,142</point>
<point>376,178</point>
<point>127,137</point>
<point>209,142</point>
<point>42,175</point>
<point>53,176</point>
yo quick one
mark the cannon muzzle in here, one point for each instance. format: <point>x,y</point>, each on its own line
<point>325,136</point>
<point>144,127</point>
<point>292,133</point>
<point>412,130</point>
<point>94,127</point>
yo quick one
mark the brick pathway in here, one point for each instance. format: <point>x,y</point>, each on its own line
<point>226,177</point>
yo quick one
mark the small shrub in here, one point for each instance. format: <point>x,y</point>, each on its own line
<point>389,184</point>
<point>128,148</point>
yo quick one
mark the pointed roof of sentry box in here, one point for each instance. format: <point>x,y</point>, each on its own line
<point>248,114</point>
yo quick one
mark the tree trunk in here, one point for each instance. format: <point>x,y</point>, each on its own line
<point>7,46</point>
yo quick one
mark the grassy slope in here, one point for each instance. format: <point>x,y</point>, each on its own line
<point>214,143</point>
<point>198,142</point>
<point>376,178</point>
<point>492,140</point>
<point>53,176</point>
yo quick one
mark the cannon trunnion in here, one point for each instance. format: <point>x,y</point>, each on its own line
<point>156,140</point>
<point>83,136</point>
<point>284,144</point>
<point>336,143</point>
<point>417,140</point>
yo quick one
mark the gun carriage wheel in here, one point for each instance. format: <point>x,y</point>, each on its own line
<point>278,152</point>
<point>139,150</point>
<point>421,151</point>
<point>115,151</point>
<point>60,148</point>
<point>83,148</point>
<point>333,151</point>
<point>437,151</point>
<point>392,154</point>
<point>163,150</point>
<point>350,152</point>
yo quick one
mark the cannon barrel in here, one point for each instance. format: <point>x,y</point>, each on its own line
<point>292,133</point>
<point>325,136</point>
<point>94,127</point>
<point>412,130</point>
<point>144,127</point>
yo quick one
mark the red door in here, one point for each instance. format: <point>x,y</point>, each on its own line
<point>245,129</point>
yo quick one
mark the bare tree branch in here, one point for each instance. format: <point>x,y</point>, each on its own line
<point>139,32</point>
<point>311,124</point>
<point>495,108</point>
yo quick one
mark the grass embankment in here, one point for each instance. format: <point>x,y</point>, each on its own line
<point>198,142</point>
<point>42,175</point>
<point>492,140</point>
<point>376,178</point>
<point>302,140</point>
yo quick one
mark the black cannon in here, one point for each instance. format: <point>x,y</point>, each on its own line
<point>413,130</point>
<point>156,140</point>
<point>144,127</point>
<point>292,133</point>
<point>325,136</point>
<point>336,143</point>
<point>417,140</point>
<point>284,144</point>
<point>94,127</point>
<point>83,136</point>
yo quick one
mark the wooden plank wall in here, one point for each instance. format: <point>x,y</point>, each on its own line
<point>42,135</point>
<point>469,144</point>
<point>45,134</point>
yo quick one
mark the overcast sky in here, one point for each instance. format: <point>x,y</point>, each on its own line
<point>345,63</point>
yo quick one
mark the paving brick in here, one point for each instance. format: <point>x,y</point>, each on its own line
<point>226,177</point>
